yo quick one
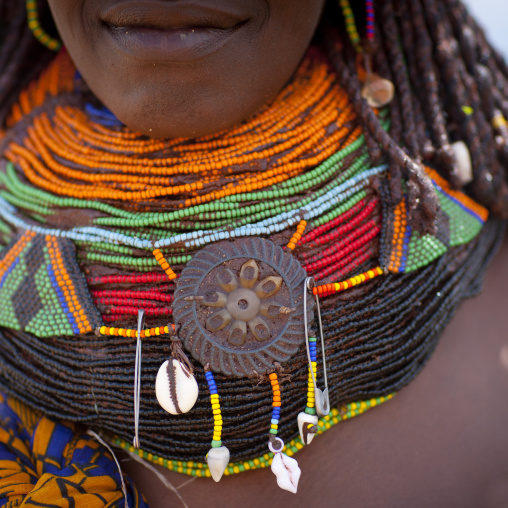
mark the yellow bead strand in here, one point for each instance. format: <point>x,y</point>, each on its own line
<point>336,287</point>
<point>130,332</point>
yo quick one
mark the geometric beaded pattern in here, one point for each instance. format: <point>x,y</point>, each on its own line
<point>42,289</point>
<point>459,220</point>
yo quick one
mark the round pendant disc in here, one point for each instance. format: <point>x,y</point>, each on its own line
<point>239,305</point>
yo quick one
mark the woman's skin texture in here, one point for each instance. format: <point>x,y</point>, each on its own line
<point>186,68</point>
<point>441,442</point>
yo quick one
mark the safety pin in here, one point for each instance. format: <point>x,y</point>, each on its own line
<point>322,399</point>
<point>137,378</point>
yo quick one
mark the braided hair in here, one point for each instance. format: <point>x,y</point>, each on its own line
<point>451,85</point>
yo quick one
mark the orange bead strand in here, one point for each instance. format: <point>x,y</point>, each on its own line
<point>68,154</point>
<point>296,237</point>
<point>164,264</point>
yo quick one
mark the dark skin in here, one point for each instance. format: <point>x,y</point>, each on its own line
<point>206,69</point>
<point>442,441</point>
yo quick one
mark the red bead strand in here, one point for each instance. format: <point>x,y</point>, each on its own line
<point>131,302</point>
<point>133,311</point>
<point>149,295</point>
<point>143,278</point>
<point>340,264</point>
<point>371,230</point>
<point>358,219</point>
<point>311,235</point>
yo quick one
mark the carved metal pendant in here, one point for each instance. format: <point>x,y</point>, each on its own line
<point>240,306</point>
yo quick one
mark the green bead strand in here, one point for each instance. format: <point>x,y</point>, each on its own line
<point>35,27</point>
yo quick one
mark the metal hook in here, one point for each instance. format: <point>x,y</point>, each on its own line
<point>322,399</point>
<point>137,378</point>
<point>322,404</point>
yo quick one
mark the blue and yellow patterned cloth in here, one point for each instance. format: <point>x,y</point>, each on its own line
<point>52,464</point>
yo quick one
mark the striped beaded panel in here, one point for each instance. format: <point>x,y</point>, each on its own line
<point>459,221</point>
<point>42,290</point>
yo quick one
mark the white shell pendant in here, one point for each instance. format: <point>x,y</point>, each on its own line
<point>307,425</point>
<point>285,468</point>
<point>377,91</point>
<point>463,159</point>
<point>218,460</point>
<point>176,388</point>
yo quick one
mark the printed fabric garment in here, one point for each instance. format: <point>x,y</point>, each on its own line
<point>52,464</point>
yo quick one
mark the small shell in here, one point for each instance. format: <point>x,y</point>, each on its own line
<point>287,472</point>
<point>377,91</point>
<point>176,388</point>
<point>218,460</point>
<point>463,159</point>
<point>306,424</point>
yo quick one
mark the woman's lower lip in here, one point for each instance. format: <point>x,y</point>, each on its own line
<point>170,45</point>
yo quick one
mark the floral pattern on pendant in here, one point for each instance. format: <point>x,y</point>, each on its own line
<point>239,305</point>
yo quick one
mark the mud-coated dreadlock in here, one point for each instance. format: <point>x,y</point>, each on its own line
<point>450,85</point>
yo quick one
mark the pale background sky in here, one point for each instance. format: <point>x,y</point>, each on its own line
<point>493,16</point>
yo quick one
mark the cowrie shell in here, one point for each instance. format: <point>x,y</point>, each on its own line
<point>176,388</point>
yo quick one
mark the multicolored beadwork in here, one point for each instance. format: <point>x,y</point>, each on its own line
<point>460,220</point>
<point>217,417</point>
<point>310,409</point>
<point>308,420</point>
<point>125,200</point>
<point>329,289</point>
<point>131,332</point>
<point>218,455</point>
<point>370,21</point>
<point>349,19</point>
<point>42,290</point>
<point>39,33</point>
<point>276,403</point>
<point>200,469</point>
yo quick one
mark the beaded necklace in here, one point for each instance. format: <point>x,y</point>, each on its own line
<point>136,211</point>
